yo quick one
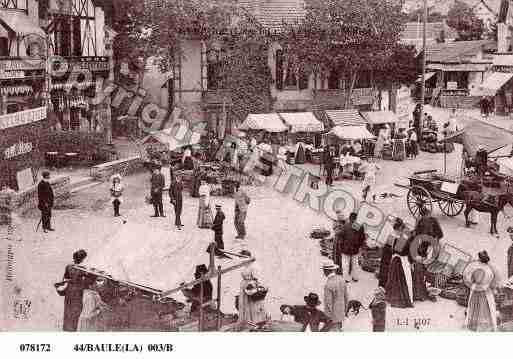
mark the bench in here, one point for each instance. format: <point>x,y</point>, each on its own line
<point>124,167</point>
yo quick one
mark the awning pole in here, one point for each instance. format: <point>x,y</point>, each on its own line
<point>424,55</point>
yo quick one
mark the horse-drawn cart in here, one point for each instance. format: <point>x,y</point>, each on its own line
<point>429,187</point>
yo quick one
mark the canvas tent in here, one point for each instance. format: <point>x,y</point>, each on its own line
<point>477,133</point>
<point>269,122</point>
<point>169,140</point>
<point>302,122</point>
<point>380,117</point>
<point>351,133</point>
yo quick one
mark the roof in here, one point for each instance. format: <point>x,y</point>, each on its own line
<point>443,7</point>
<point>20,23</point>
<point>270,122</point>
<point>380,117</point>
<point>414,30</point>
<point>458,51</point>
<point>345,117</point>
<point>302,122</point>
<point>274,13</point>
<point>351,132</point>
<point>492,84</point>
<point>481,133</point>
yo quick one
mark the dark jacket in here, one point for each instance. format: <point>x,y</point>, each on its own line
<point>379,312</point>
<point>157,183</point>
<point>175,193</point>
<point>481,158</point>
<point>429,226</point>
<point>44,195</point>
<point>311,316</point>
<point>349,240</point>
<point>218,222</point>
<point>348,149</point>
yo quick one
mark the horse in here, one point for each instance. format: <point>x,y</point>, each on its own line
<point>473,201</point>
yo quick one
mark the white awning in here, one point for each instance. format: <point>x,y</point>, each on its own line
<point>302,122</point>
<point>380,117</point>
<point>345,118</point>
<point>171,142</point>
<point>351,133</point>
<point>492,84</point>
<point>270,122</point>
<point>427,76</point>
<point>20,23</point>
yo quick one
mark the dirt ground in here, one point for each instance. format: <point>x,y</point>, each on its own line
<point>151,251</point>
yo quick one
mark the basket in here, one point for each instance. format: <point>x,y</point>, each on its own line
<point>450,293</point>
<point>260,294</point>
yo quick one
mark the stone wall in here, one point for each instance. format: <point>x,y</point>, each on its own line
<point>124,167</point>
<point>27,199</point>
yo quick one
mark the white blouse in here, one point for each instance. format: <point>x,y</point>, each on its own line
<point>204,190</point>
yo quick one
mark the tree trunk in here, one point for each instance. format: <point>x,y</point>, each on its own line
<point>349,94</point>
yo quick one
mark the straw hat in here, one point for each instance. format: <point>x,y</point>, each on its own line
<point>329,265</point>
<point>312,299</point>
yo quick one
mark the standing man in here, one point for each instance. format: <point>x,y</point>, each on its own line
<point>175,194</point>
<point>157,186</point>
<point>330,165</point>
<point>335,295</point>
<point>217,227</point>
<point>45,199</point>
<point>349,241</point>
<point>242,202</point>
<point>481,161</point>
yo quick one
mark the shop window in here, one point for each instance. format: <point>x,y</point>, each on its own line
<point>14,107</point>
<point>279,69</point>
<point>63,38</point>
<point>4,46</point>
<point>215,69</point>
<point>290,77</point>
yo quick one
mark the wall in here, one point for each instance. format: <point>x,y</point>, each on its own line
<point>99,22</point>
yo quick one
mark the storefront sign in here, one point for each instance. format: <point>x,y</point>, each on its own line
<point>507,69</point>
<point>452,85</point>
<point>21,65</point>
<point>11,74</point>
<point>18,149</point>
<point>93,64</point>
<point>22,117</point>
<point>25,179</point>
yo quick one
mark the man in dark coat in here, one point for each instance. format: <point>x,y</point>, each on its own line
<point>481,161</point>
<point>175,194</point>
<point>329,163</point>
<point>348,242</point>
<point>45,199</point>
<point>217,227</point>
<point>157,186</point>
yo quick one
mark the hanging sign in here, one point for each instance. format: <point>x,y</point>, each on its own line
<point>22,117</point>
<point>21,65</point>
<point>18,149</point>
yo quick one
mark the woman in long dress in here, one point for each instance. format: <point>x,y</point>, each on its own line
<point>205,217</point>
<point>92,308</point>
<point>399,287</point>
<point>387,252</point>
<point>481,310</point>
<point>420,292</point>
<point>74,292</point>
<point>249,310</point>
<point>380,144</point>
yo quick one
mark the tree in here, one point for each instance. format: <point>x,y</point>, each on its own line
<point>346,37</point>
<point>462,18</point>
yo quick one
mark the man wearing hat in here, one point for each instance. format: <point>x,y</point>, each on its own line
<point>157,186</point>
<point>176,197</point>
<point>217,227</point>
<point>335,295</point>
<point>481,160</point>
<point>45,199</point>
<point>194,294</point>
<point>308,314</point>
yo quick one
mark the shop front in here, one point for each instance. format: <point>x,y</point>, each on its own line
<point>22,142</point>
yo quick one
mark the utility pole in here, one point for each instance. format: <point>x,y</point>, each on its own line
<point>424,56</point>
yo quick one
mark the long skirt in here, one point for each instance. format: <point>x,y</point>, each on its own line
<point>89,324</point>
<point>300,156</point>
<point>481,311</point>
<point>399,285</point>
<point>399,151</point>
<point>420,292</point>
<point>72,307</point>
<point>384,267</point>
<point>205,217</point>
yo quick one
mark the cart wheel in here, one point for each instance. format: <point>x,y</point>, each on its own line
<point>451,208</point>
<point>418,198</point>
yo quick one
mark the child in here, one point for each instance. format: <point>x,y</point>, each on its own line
<point>378,308</point>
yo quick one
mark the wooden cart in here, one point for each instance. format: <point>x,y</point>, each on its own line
<point>429,187</point>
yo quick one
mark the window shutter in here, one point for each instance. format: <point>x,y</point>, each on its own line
<point>279,69</point>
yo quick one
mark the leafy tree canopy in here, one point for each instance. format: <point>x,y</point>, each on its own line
<point>462,18</point>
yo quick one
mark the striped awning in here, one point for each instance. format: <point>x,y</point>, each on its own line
<point>302,122</point>
<point>351,133</point>
<point>380,117</point>
<point>345,118</point>
<point>270,122</point>
<point>427,76</point>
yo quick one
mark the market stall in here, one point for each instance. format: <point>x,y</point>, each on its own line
<point>264,126</point>
<point>303,135</point>
<point>135,284</point>
<point>376,121</point>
